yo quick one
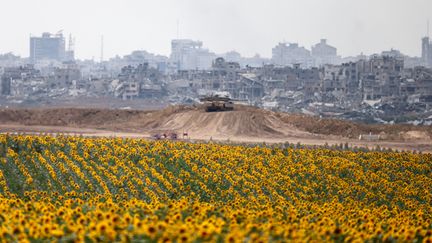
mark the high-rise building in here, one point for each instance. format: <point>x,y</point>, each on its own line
<point>47,47</point>
<point>427,51</point>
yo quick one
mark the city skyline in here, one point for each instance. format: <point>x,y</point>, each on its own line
<point>351,26</point>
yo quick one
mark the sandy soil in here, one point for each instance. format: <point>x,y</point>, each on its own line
<point>417,145</point>
<point>245,124</point>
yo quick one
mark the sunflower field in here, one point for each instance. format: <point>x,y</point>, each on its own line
<point>76,189</point>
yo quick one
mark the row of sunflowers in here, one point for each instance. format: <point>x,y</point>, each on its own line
<point>76,189</point>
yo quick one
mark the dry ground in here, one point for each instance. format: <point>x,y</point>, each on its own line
<point>245,124</point>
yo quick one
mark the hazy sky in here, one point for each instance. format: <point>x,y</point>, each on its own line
<point>247,26</point>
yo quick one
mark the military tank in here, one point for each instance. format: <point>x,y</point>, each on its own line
<point>215,103</point>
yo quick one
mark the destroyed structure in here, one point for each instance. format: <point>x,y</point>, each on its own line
<point>141,81</point>
<point>377,88</point>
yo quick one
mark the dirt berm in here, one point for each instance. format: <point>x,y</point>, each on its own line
<point>243,121</point>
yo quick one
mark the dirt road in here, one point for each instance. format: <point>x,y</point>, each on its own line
<point>305,138</point>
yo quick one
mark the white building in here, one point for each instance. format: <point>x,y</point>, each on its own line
<point>286,55</point>
<point>324,53</point>
<point>190,55</point>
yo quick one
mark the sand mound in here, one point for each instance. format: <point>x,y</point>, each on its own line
<point>229,123</point>
<point>242,122</point>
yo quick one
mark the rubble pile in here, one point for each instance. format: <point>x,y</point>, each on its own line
<point>378,89</point>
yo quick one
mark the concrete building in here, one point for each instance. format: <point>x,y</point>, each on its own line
<point>65,75</point>
<point>423,80</point>
<point>293,79</point>
<point>140,81</point>
<point>417,86</point>
<point>131,90</point>
<point>11,74</point>
<point>350,70</point>
<point>190,55</point>
<point>138,57</point>
<point>286,55</point>
<point>427,51</point>
<point>228,70</point>
<point>393,53</point>
<point>324,53</point>
<point>333,79</point>
<point>248,88</point>
<point>47,47</point>
<point>11,60</point>
<point>380,77</point>
<point>141,56</point>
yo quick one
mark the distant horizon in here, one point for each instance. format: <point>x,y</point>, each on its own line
<point>210,50</point>
<point>248,27</point>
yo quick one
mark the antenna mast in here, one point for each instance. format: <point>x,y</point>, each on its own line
<point>71,46</point>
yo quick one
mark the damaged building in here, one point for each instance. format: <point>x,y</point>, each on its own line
<point>65,76</point>
<point>372,87</point>
<point>380,77</point>
<point>15,76</point>
<point>140,81</point>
